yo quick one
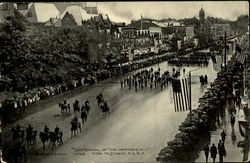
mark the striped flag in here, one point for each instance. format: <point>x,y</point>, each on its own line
<point>181,94</point>
<point>217,63</point>
<point>240,57</point>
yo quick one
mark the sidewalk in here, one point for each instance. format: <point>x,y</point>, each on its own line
<point>233,153</point>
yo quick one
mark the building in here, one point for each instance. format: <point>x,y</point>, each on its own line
<point>23,7</point>
<point>184,33</point>
<point>36,14</point>
<point>74,15</point>
<point>6,9</point>
<point>116,28</point>
<point>155,32</point>
<point>189,32</point>
<point>128,32</point>
<point>204,24</point>
<point>61,6</point>
<point>103,24</point>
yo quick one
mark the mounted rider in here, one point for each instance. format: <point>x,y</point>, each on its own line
<point>56,130</point>
<point>65,106</point>
<point>46,129</point>
<point>76,105</point>
<point>87,106</point>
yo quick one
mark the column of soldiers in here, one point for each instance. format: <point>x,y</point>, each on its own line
<point>147,78</point>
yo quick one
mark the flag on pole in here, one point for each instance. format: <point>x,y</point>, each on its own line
<point>217,63</point>
<point>181,94</point>
<point>240,56</point>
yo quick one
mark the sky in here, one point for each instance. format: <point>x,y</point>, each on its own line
<point>127,11</point>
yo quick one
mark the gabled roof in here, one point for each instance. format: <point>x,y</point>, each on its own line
<point>23,11</point>
<point>78,14</point>
<point>19,16</point>
<point>42,12</point>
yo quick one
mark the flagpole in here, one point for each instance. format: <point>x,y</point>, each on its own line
<point>190,99</point>
<point>141,21</point>
<point>225,56</point>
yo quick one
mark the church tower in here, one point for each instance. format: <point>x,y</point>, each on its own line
<point>202,19</point>
<point>202,15</point>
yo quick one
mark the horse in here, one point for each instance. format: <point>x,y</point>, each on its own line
<point>31,137</point>
<point>87,106</point>
<point>64,107</point>
<point>73,128</point>
<point>75,125</point>
<point>52,139</point>
<point>84,116</point>
<point>99,99</point>
<point>17,135</point>
<point>19,151</point>
<point>105,108</point>
<point>59,137</point>
<point>76,106</point>
<point>43,137</point>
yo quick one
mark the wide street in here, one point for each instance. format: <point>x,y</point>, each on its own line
<point>144,120</point>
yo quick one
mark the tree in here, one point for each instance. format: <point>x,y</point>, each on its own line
<point>14,47</point>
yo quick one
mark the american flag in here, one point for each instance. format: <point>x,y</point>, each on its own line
<point>181,94</point>
<point>217,63</point>
<point>240,56</point>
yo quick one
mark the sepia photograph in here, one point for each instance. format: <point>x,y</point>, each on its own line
<point>124,82</point>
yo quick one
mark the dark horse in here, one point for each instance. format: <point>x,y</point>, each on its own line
<point>53,137</point>
<point>87,106</point>
<point>99,99</point>
<point>105,108</point>
<point>76,106</point>
<point>75,125</point>
<point>19,151</point>
<point>31,137</point>
<point>17,135</point>
<point>44,137</point>
<point>64,107</point>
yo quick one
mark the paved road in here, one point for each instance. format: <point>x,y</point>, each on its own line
<point>142,122</point>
